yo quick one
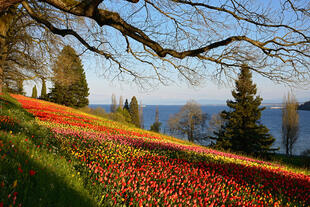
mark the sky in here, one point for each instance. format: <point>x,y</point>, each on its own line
<point>178,93</point>
<point>101,90</point>
<point>210,92</point>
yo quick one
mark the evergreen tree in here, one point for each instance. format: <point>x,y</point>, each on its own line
<point>43,90</point>
<point>34,92</point>
<point>126,105</point>
<point>134,111</point>
<point>242,130</point>
<point>70,85</point>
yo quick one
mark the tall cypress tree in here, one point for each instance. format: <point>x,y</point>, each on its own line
<point>43,90</point>
<point>70,85</point>
<point>34,92</point>
<point>134,111</point>
<point>242,130</point>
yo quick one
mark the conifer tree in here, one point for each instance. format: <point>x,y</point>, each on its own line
<point>242,130</point>
<point>134,111</point>
<point>70,85</point>
<point>43,90</point>
<point>126,105</point>
<point>34,92</point>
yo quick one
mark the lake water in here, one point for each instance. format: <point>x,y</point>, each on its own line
<point>272,118</point>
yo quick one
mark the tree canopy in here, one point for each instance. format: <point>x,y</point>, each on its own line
<point>70,85</point>
<point>134,112</point>
<point>195,39</point>
<point>290,123</point>
<point>190,121</point>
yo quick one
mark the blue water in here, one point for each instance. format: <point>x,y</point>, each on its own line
<point>272,118</point>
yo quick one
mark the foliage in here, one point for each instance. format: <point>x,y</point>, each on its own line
<point>290,123</point>
<point>190,120</point>
<point>126,105</point>
<point>134,112</point>
<point>242,130</point>
<point>304,106</point>
<point>121,115</point>
<point>24,48</point>
<point>97,111</point>
<point>129,166</point>
<point>43,90</point>
<point>70,85</point>
<point>34,92</point>
<point>155,127</point>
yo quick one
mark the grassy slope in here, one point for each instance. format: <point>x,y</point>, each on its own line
<point>40,167</point>
<point>31,170</point>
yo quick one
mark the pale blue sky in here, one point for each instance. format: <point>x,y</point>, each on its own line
<point>209,92</point>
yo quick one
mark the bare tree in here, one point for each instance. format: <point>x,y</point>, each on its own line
<point>190,120</point>
<point>290,123</point>
<point>121,102</point>
<point>26,48</point>
<point>113,103</point>
<point>215,123</point>
<point>195,39</point>
<point>141,115</point>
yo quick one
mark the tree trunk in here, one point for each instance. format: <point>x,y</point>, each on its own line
<point>5,22</point>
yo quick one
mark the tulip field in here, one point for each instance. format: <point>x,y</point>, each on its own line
<point>119,165</point>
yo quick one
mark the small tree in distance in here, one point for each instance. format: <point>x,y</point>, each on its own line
<point>113,104</point>
<point>121,102</point>
<point>134,112</point>
<point>126,105</point>
<point>290,123</point>
<point>43,90</point>
<point>34,92</point>
<point>190,120</point>
<point>141,115</point>
<point>155,127</point>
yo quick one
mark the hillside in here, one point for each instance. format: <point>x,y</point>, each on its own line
<point>53,155</point>
<point>304,106</point>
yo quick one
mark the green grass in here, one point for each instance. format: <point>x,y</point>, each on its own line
<point>302,162</point>
<point>32,170</point>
